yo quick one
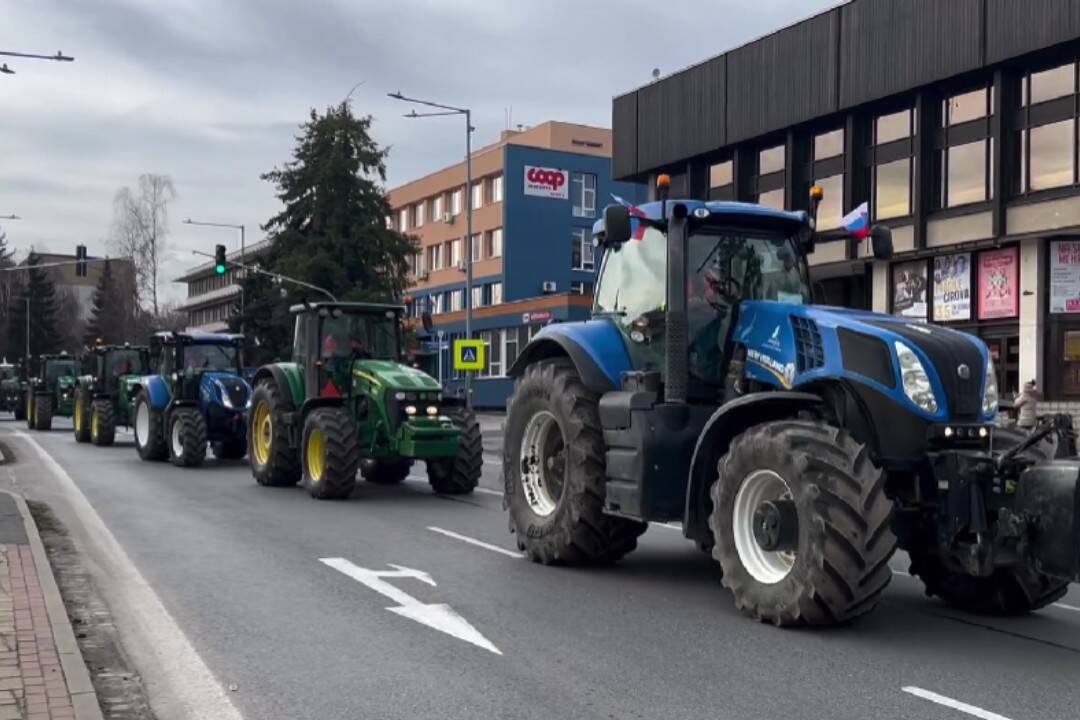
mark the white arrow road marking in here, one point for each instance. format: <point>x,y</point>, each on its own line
<point>439,616</point>
<point>954,704</point>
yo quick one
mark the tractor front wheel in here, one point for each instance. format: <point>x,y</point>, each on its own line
<point>102,423</point>
<point>331,453</point>
<point>149,429</point>
<point>273,462</point>
<point>802,524</point>
<point>385,472</point>
<point>43,411</point>
<point>460,474</point>
<point>81,418</point>
<point>187,437</point>
<point>553,464</point>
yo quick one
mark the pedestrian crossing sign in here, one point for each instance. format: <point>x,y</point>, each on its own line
<point>468,354</point>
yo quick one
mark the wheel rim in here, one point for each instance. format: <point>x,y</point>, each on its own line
<point>78,414</point>
<point>543,463</point>
<point>765,566</point>
<point>316,454</point>
<point>262,431</point>
<point>177,439</point>
<point>142,424</point>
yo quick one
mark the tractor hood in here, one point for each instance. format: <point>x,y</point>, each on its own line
<point>391,375</point>
<point>938,373</point>
<point>228,389</point>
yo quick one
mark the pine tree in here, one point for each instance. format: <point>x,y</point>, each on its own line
<point>9,285</point>
<point>332,230</point>
<point>107,312</point>
<point>39,289</point>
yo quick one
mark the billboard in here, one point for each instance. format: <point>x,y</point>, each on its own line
<point>909,289</point>
<point>1065,276</point>
<point>952,287</point>
<point>999,283</point>
<point>547,182</point>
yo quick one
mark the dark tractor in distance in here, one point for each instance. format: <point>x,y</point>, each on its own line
<point>195,394</point>
<point>12,391</point>
<point>50,390</point>
<point>799,445</point>
<point>105,393</point>
<point>348,401</point>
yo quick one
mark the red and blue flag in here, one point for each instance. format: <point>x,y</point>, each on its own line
<point>857,222</point>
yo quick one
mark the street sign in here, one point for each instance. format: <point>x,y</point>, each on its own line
<point>468,354</point>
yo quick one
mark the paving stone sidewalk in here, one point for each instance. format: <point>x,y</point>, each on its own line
<point>42,675</point>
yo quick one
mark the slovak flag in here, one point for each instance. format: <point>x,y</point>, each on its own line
<point>639,231</point>
<point>857,222</point>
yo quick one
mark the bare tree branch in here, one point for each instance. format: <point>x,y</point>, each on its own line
<point>139,231</point>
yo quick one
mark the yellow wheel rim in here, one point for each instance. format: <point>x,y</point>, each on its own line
<point>78,414</point>
<point>316,454</point>
<point>262,429</point>
<point>94,425</point>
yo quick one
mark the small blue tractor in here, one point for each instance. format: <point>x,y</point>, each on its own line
<point>799,445</point>
<point>196,395</point>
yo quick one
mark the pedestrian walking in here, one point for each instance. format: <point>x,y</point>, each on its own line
<point>1024,405</point>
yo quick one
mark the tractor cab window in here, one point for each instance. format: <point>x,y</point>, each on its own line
<point>124,362</point>
<point>7,373</point>
<point>56,369</point>
<point>364,336</point>
<point>212,358</point>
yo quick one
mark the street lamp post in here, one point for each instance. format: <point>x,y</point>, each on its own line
<point>243,263</point>
<point>450,110</point>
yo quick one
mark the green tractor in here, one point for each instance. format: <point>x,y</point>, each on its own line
<point>11,391</point>
<point>50,391</point>
<point>105,394</point>
<point>348,402</point>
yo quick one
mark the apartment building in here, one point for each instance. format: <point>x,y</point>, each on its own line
<point>212,298</point>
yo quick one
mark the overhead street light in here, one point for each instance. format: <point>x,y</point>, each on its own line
<point>13,216</point>
<point>467,199</point>
<point>4,69</point>
<point>58,57</point>
<point>243,256</point>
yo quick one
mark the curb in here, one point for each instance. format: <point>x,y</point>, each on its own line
<point>84,698</point>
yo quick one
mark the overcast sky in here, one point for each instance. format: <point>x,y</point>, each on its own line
<point>211,91</point>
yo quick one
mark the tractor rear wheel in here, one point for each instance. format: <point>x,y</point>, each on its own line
<point>553,464</point>
<point>187,437</point>
<point>385,472</point>
<point>81,417</point>
<point>1009,591</point>
<point>802,524</point>
<point>43,410</point>
<point>273,462</point>
<point>460,474</point>
<point>233,449</point>
<point>149,428</point>
<point>30,410</point>
<point>102,423</point>
<point>331,453</point>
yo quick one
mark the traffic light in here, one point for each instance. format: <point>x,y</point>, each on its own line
<point>220,264</point>
<point>80,261</point>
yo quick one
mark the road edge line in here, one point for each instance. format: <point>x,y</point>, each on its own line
<point>84,699</point>
<point>473,541</point>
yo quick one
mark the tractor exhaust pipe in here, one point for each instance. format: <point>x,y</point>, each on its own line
<point>676,363</point>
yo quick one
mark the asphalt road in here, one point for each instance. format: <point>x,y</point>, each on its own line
<point>238,569</point>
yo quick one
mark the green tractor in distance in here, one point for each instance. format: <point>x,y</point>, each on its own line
<point>50,391</point>
<point>11,391</point>
<point>104,394</point>
<point>348,402</point>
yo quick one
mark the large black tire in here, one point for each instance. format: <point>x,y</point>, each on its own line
<point>280,467</point>
<point>330,472</point>
<point>460,474</point>
<point>576,531</point>
<point>233,449</point>
<point>30,410</point>
<point>187,437</point>
<point>80,417</point>
<point>385,472</point>
<point>151,446</point>
<point>43,410</point>
<point>102,423</point>
<point>844,540</point>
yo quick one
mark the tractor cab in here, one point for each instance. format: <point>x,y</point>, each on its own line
<point>8,372</point>
<point>107,364</point>
<point>183,358</point>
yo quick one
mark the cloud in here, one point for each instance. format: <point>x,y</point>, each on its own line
<point>212,92</point>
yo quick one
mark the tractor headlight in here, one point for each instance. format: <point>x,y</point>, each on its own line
<point>432,410</point>
<point>990,390</point>
<point>916,382</point>
<point>410,410</point>
<point>223,395</point>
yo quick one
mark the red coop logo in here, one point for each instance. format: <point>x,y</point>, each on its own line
<point>546,182</point>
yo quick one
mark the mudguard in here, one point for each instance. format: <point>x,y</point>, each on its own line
<point>596,348</point>
<point>157,390</point>
<point>288,378</point>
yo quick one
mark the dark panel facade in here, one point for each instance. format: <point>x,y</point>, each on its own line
<point>682,115</point>
<point>1015,27</point>
<point>889,46</point>
<point>783,79</point>
<point>624,111</point>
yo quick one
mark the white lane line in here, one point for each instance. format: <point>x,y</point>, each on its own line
<point>474,541</point>
<point>954,704</point>
<point>1063,606</point>
<point>158,645</point>
<point>488,491</point>
<point>900,572</point>
<point>668,525</point>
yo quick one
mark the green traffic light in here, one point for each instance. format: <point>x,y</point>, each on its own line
<point>219,269</point>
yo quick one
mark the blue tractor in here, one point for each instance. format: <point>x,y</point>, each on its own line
<point>196,395</point>
<point>799,445</point>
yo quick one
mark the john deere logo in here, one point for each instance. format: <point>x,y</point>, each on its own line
<point>964,372</point>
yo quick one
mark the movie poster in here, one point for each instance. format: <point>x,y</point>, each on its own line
<point>952,287</point>
<point>909,289</point>
<point>1065,276</point>
<point>999,284</point>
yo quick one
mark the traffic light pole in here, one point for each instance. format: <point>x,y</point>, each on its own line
<point>276,276</point>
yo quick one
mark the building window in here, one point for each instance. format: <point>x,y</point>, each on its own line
<point>581,249</point>
<point>403,220</point>
<point>892,189</point>
<point>418,215</point>
<point>456,258</point>
<point>510,347</point>
<point>1048,129</point>
<point>828,169</point>
<point>772,199</point>
<point>457,300</point>
<point>578,287</point>
<point>831,209</point>
<point>494,243</point>
<point>828,145</point>
<point>895,126</point>
<point>437,307</point>
<point>771,176</point>
<point>1048,85</point>
<point>497,188</point>
<point>455,202</point>
<point>771,160</point>
<point>966,148</point>
<point>477,196</point>
<point>583,194</point>
<point>437,208</point>
<point>894,164</point>
<point>495,355</point>
<point>435,257</point>
<point>418,263</point>
<point>722,181</point>
<point>478,296</point>
<point>477,248</point>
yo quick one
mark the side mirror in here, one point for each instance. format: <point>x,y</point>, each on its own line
<point>616,225</point>
<point>425,318</point>
<point>881,242</point>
